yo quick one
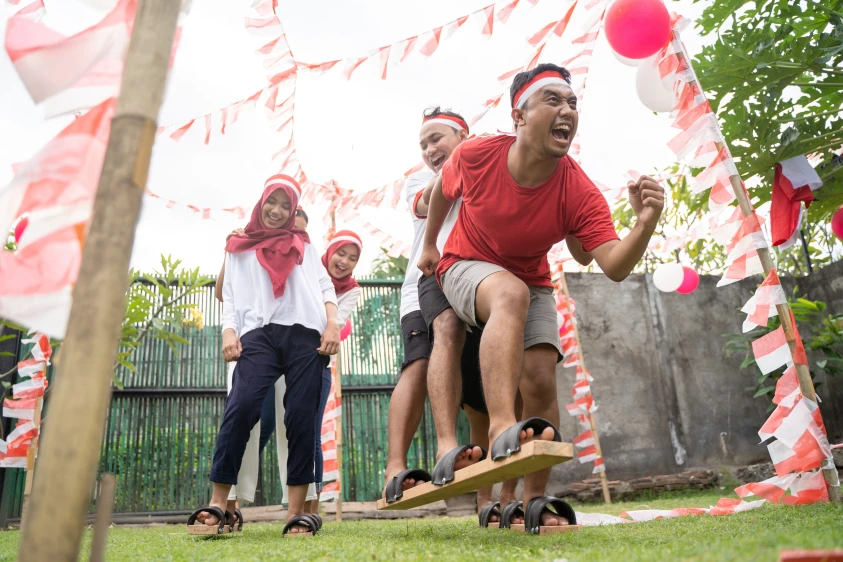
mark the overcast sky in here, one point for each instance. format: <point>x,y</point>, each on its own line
<point>363,133</point>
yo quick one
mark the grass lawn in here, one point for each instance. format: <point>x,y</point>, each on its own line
<point>755,535</point>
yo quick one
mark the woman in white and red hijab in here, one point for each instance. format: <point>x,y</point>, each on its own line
<point>279,318</point>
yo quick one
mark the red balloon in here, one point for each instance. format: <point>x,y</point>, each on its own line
<point>346,330</point>
<point>637,29</point>
<point>837,223</point>
<point>690,282</point>
<point>20,227</point>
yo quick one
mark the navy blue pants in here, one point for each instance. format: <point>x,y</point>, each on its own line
<point>267,420</point>
<point>323,401</point>
<point>269,352</point>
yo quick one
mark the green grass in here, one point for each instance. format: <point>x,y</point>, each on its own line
<point>756,535</point>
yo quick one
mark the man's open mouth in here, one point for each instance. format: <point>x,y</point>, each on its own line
<point>438,160</point>
<point>561,132</point>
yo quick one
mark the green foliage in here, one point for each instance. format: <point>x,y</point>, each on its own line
<point>822,336</point>
<point>388,267</point>
<point>775,77</point>
<point>155,307</point>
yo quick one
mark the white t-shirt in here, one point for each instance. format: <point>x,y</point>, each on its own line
<point>412,186</point>
<point>346,303</point>
<point>249,302</point>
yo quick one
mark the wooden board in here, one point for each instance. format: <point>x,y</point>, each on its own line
<point>554,530</point>
<point>534,456</point>
<point>297,535</point>
<point>206,529</point>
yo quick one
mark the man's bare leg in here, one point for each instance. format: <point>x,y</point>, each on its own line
<point>478,423</point>
<point>406,408</point>
<point>444,385</point>
<point>538,390</point>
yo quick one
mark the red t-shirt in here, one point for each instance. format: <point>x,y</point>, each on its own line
<point>512,226</point>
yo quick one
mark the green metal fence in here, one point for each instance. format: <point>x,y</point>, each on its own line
<point>162,425</point>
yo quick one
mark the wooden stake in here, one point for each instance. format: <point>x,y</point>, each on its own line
<point>31,454</point>
<point>338,398</point>
<point>803,374</point>
<point>105,504</point>
<point>607,497</point>
<point>70,451</point>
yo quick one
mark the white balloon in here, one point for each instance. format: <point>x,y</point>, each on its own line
<point>626,60</point>
<point>668,277</point>
<point>651,90</point>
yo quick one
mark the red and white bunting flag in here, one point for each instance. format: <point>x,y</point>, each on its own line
<point>571,360</point>
<point>587,454</point>
<point>351,66</point>
<point>808,488</point>
<point>583,440</point>
<point>569,346</point>
<point>33,12</point>
<point>563,23</point>
<point>75,72</point>
<point>430,41</point>
<point>794,182</point>
<point>41,349</point>
<point>268,26</point>
<point>748,236</point>
<point>771,489</point>
<point>583,375</point>
<point>23,409</point>
<point>13,456</point>
<point>786,386</point>
<point>506,11</point>
<point>581,388</point>
<point>805,455</point>
<point>804,418</point>
<point>771,351</point>
<point>488,21</point>
<point>56,187</point>
<point>762,305</point>
<point>743,267</point>
<point>598,466</point>
<point>383,60</point>
<point>23,433</point>
<point>32,388</point>
<point>728,506</point>
<point>582,406</point>
<point>31,368</point>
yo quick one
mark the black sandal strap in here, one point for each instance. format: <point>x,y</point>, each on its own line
<point>394,491</point>
<point>533,513</point>
<point>491,508</point>
<point>239,515</point>
<point>222,516</point>
<point>318,519</point>
<point>303,519</point>
<point>509,441</point>
<point>509,511</point>
<point>443,472</point>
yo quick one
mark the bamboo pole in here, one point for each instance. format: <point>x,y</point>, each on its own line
<point>803,374</point>
<point>338,398</point>
<point>70,448</point>
<point>105,505</point>
<point>31,454</point>
<point>604,482</point>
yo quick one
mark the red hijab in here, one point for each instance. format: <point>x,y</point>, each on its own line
<point>278,249</point>
<point>340,239</point>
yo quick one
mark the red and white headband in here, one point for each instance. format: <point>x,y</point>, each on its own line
<point>347,237</point>
<point>456,122</point>
<point>284,180</point>
<point>536,83</point>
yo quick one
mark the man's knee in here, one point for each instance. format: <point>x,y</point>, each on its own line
<point>449,329</point>
<point>511,298</point>
<point>538,380</point>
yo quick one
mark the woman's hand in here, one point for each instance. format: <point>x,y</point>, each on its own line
<point>330,339</point>
<point>231,346</point>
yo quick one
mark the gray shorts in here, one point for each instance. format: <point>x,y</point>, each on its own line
<point>460,282</point>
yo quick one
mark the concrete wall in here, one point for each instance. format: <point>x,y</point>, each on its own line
<point>668,396</point>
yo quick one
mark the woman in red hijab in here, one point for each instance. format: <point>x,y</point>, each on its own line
<point>279,318</point>
<point>339,260</point>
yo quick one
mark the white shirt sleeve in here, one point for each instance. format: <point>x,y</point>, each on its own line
<point>412,186</point>
<point>346,303</point>
<point>229,315</point>
<point>325,283</point>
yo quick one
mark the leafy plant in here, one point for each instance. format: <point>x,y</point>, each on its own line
<point>822,336</point>
<point>389,267</point>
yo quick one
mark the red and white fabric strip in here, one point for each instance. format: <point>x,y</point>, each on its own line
<point>41,349</point>
<point>583,440</point>
<point>587,454</point>
<point>31,368</point>
<point>741,268</point>
<point>539,81</point>
<point>762,305</point>
<point>598,466</point>
<point>449,120</point>
<point>22,409</point>
<point>771,351</point>
<point>33,388</point>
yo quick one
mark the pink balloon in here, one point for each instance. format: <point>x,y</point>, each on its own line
<point>345,331</point>
<point>20,227</point>
<point>837,223</point>
<point>690,282</point>
<point>637,29</point>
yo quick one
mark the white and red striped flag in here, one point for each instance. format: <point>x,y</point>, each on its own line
<point>771,351</point>
<point>808,488</point>
<point>330,468</point>
<point>771,489</point>
<point>762,305</point>
<point>31,368</point>
<point>23,409</point>
<point>32,388</point>
<point>41,349</point>
<point>583,440</point>
<point>741,268</point>
<point>794,182</point>
<point>587,454</point>
<point>598,466</point>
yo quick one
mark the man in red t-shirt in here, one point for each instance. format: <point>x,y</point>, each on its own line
<point>521,194</point>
